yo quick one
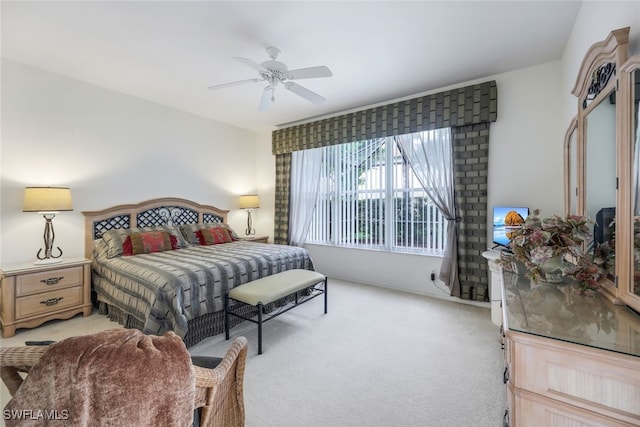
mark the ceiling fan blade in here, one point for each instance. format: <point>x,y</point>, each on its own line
<point>239,82</point>
<point>267,98</point>
<point>310,73</point>
<point>304,92</point>
<point>251,64</point>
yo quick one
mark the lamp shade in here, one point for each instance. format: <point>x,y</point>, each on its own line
<point>249,202</point>
<point>47,199</point>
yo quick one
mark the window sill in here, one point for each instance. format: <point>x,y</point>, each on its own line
<point>419,252</point>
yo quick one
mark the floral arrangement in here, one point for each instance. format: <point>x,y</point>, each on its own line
<point>539,240</point>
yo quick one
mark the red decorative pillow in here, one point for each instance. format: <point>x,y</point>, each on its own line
<point>149,242</point>
<point>213,236</point>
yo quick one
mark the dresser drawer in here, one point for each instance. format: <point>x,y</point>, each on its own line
<point>46,302</point>
<point>48,280</point>
<point>586,379</point>
<point>534,411</point>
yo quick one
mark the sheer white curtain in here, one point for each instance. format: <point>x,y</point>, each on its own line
<point>305,184</point>
<point>430,155</point>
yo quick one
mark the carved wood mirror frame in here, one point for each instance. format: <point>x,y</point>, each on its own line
<point>629,278</point>
<point>597,79</point>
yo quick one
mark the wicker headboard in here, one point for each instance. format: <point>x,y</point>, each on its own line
<point>163,211</point>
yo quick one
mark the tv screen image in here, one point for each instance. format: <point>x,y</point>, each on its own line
<point>505,220</point>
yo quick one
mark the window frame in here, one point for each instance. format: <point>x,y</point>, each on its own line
<point>434,222</point>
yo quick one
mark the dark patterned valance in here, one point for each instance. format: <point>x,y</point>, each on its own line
<point>456,107</point>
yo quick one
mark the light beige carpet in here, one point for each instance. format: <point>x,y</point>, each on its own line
<point>378,358</point>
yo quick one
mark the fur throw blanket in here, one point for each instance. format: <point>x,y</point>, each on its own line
<point>118,377</point>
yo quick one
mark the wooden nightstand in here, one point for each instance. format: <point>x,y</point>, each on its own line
<point>257,239</point>
<point>33,294</point>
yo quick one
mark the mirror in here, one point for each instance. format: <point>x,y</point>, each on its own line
<point>600,151</point>
<point>600,175</point>
<point>603,159</point>
<point>608,161</point>
<point>571,166</point>
<point>634,287</point>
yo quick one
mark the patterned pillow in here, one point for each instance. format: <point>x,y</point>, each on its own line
<point>115,238</point>
<point>100,248</point>
<point>213,236</point>
<point>189,231</point>
<point>148,242</point>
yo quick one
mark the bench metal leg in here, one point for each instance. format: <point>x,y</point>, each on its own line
<point>260,328</point>
<point>325,295</point>
<point>226,316</point>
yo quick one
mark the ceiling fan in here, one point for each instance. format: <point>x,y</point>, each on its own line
<point>275,72</point>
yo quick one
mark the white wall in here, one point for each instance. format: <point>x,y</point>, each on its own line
<point>405,272</point>
<point>263,218</point>
<point>109,148</point>
<point>526,142</point>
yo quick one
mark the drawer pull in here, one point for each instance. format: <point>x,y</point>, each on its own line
<point>51,301</point>
<point>505,375</point>
<point>52,280</point>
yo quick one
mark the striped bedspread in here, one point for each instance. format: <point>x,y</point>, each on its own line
<point>166,289</point>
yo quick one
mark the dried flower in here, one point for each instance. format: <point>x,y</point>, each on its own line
<point>540,239</point>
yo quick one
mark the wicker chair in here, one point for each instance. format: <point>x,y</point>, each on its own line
<point>219,391</point>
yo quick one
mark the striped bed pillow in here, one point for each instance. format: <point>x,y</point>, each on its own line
<point>189,231</point>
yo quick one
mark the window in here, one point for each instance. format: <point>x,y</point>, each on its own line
<point>370,198</point>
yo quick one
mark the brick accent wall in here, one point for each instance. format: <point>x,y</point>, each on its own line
<point>283,197</point>
<point>471,165</point>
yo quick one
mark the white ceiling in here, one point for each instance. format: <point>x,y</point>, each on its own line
<point>169,52</point>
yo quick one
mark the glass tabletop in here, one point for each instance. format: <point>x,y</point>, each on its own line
<point>560,311</point>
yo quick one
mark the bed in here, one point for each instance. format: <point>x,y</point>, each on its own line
<point>165,264</point>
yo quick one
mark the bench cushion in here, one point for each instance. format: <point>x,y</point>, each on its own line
<point>271,288</point>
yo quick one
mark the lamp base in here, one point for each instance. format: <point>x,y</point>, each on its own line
<point>47,261</point>
<point>250,231</point>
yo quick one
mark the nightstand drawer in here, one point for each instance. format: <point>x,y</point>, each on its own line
<point>48,280</point>
<point>46,302</point>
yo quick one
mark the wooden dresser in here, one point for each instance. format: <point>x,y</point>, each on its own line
<point>33,294</point>
<point>570,359</point>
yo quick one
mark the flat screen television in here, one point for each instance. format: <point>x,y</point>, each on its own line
<point>506,219</point>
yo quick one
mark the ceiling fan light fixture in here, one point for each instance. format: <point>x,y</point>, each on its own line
<point>274,72</point>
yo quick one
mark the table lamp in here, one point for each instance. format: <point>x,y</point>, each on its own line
<point>249,202</point>
<point>47,201</point>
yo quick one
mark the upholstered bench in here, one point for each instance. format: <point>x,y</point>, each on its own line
<point>269,289</point>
